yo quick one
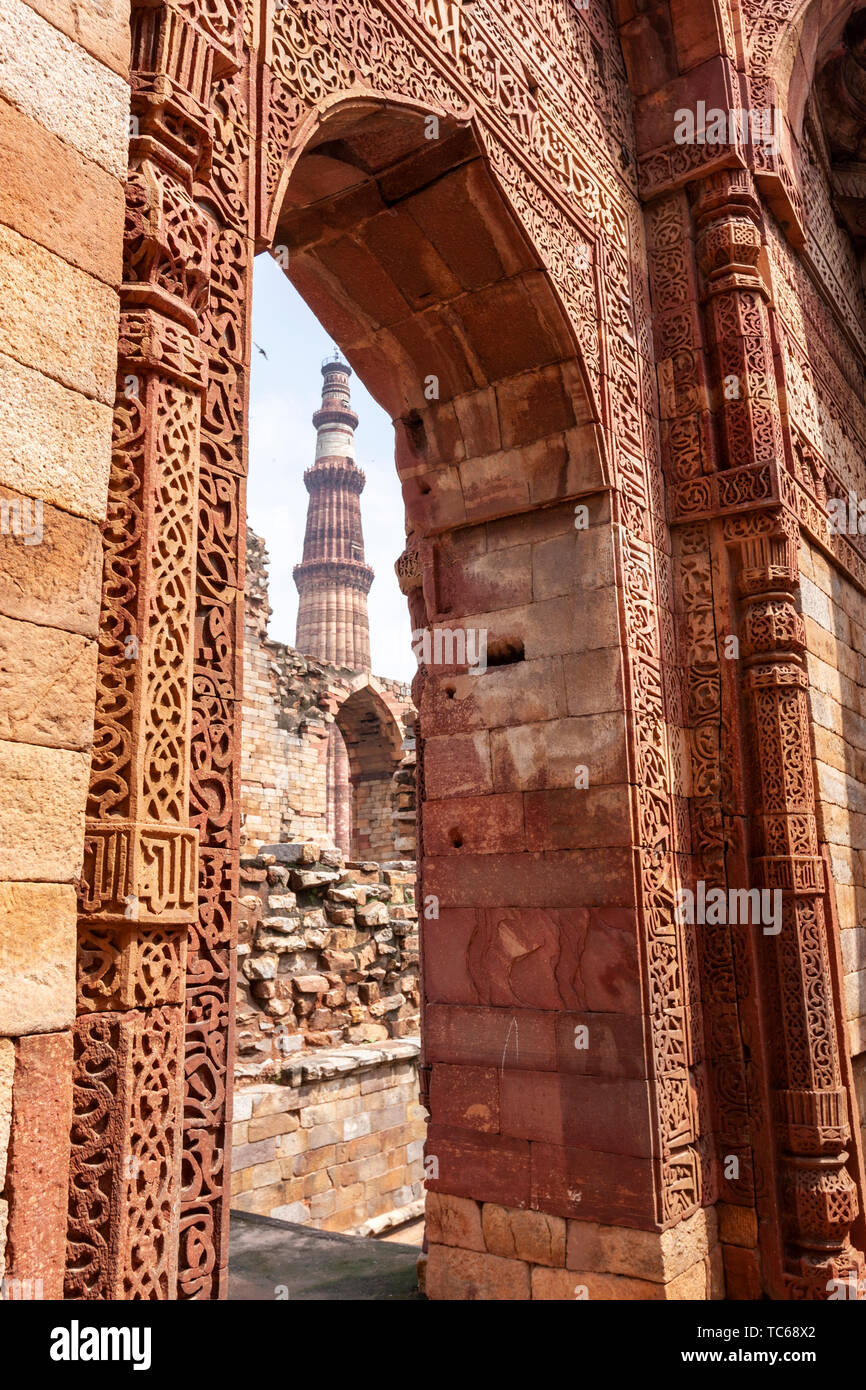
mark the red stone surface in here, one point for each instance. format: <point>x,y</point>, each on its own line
<point>37,1173</point>
<point>584,317</point>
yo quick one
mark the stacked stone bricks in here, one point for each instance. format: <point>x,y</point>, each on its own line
<point>338,1144</point>
<point>329,954</point>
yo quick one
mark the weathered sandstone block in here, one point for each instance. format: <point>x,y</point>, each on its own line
<point>524,1235</point>
<point>37,957</point>
<point>63,324</point>
<point>57,582</point>
<point>455,1274</point>
<point>42,827</point>
<point>99,26</point>
<point>38,1166</point>
<point>52,194</point>
<point>52,79</point>
<point>47,685</point>
<point>657,1256</point>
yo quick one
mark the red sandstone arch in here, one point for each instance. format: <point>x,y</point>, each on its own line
<point>417,266</point>
<point>389,295</point>
<point>804,40</point>
<point>508,445</point>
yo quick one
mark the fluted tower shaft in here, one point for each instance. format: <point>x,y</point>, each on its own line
<point>333,578</point>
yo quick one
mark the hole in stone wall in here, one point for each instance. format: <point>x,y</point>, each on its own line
<point>416,432</point>
<point>505,651</point>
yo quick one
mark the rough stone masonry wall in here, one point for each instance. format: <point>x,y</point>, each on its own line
<point>507,1253</point>
<point>64,102</point>
<point>338,1144</point>
<point>290,703</point>
<point>329,960</point>
<point>328,955</point>
<point>835,621</point>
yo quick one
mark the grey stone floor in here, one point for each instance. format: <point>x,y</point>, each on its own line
<point>273,1260</point>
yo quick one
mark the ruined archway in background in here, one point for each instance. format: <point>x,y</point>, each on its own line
<point>374,748</point>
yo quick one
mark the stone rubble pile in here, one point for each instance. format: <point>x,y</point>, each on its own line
<point>328,954</point>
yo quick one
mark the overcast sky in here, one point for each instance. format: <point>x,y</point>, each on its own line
<point>285,389</point>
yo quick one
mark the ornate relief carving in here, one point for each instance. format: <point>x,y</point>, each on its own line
<point>811,1105</point>
<point>138,891</point>
<point>216,699</point>
<point>544,85</point>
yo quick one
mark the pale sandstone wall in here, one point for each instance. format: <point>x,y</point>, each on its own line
<point>337,1145</point>
<point>64,102</point>
<point>375,810</point>
<point>834,612</point>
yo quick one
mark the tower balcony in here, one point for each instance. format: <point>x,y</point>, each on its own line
<point>327,574</point>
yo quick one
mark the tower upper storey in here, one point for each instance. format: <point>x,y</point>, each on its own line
<point>333,578</point>
<point>335,420</point>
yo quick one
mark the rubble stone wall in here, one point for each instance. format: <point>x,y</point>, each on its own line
<point>337,1144</point>
<point>291,702</point>
<point>64,103</point>
<point>328,954</point>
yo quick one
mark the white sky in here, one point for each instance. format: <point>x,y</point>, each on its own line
<point>285,389</point>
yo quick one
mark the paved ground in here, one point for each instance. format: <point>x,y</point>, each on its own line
<point>410,1234</point>
<point>275,1259</point>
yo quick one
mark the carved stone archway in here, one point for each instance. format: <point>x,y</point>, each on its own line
<point>433,171</point>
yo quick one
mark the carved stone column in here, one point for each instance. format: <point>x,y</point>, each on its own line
<point>138,892</point>
<point>224,188</point>
<point>818,1196</point>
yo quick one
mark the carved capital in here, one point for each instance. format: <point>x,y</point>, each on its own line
<point>408,570</point>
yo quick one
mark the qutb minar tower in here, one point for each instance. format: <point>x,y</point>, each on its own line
<point>333,579</point>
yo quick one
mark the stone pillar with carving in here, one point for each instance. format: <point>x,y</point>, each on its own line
<point>138,890</point>
<point>224,187</point>
<point>817,1195</point>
